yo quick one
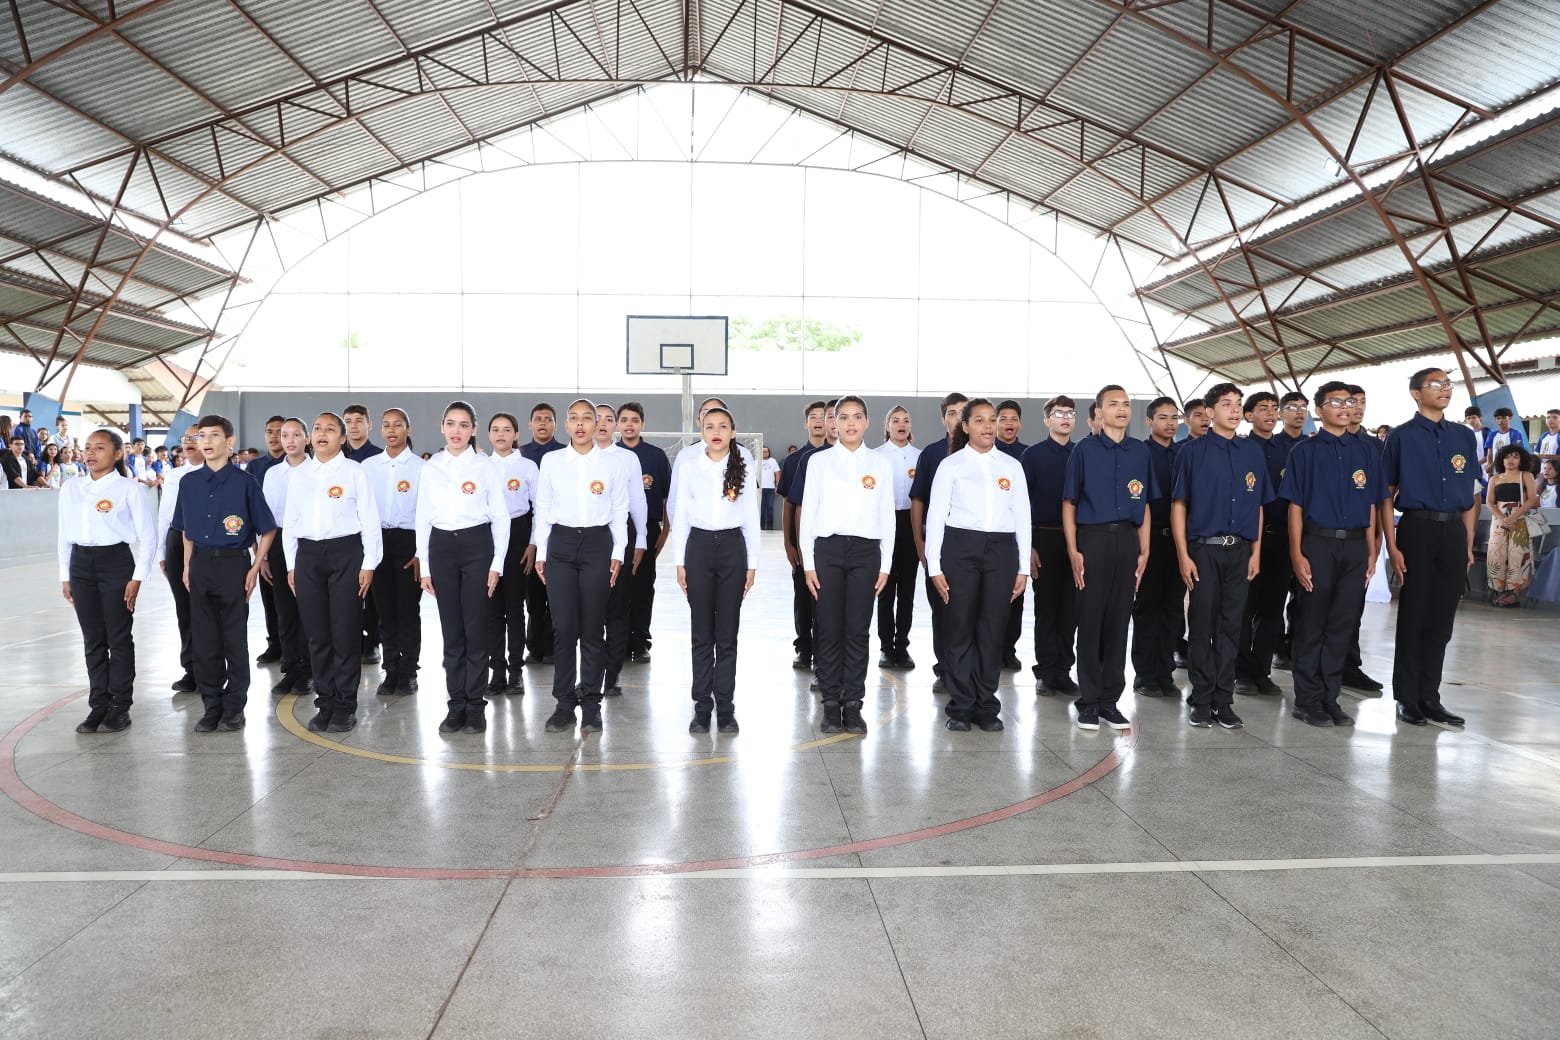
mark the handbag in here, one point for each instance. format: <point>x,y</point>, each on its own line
<point>1537,524</point>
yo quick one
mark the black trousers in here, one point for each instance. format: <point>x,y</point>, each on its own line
<point>398,601</point>
<point>579,567</point>
<point>98,576</point>
<point>716,570</point>
<point>368,632</point>
<point>1435,557</point>
<point>896,604</point>
<point>1329,617</point>
<point>847,569</point>
<point>1110,553</point>
<point>1014,627</point>
<point>506,607</point>
<point>173,570</point>
<point>326,574</point>
<point>273,620</point>
<point>1215,607</point>
<point>641,599</point>
<point>1262,624</point>
<point>292,642</point>
<point>458,563</point>
<point>1158,611</point>
<point>539,627</point>
<point>939,611</point>
<point>219,622</point>
<point>801,612</point>
<point>1056,606</point>
<point>980,568</point>
<point>619,602</point>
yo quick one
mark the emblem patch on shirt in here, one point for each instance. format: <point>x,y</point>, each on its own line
<point>514,483</point>
<point>597,487</point>
<point>869,482</point>
<point>731,494</point>
<point>1459,463</point>
<point>104,506</point>
<point>1135,489</point>
<point>403,486</point>
<point>232,524</point>
<point>649,481</point>
<point>1004,483</point>
<point>912,472</point>
<point>335,491</point>
<point>469,488</point>
<point>1359,478</point>
<point>1251,481</point>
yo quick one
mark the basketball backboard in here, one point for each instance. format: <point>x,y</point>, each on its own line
<point>676,346</point>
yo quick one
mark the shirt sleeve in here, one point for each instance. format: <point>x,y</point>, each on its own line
<point>937,515</point>
<point>145,523</point>
<point>807,527</point>
<point>1021,529</point>
<point>681,521</point>
<point>1072,476</point>
<point>750,503</point>
<point>64,525</point>
<point>423,517</point>
<point>177,523</point>
<point>619,517</point>
<point>541,525</point>
<point>638,505</point>
<point>921,483</point>
<point>1296,487</point>
<point>498,522</point>
<point>799,482</point>
<point>259,512</point>
<point>1181,486</point>
<point>368,519</point>
<point>886,521</point>
<point>1391,461</point>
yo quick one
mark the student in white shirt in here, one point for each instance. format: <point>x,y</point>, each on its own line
<point>977,554</point>
<point>847,539</point>
<point>715,549</point>
<point>769,473</point>
<point>619,600</point>
<point>462,539</point>
<point>896,603</point>
<point>276,481</point>
<point>393,476</point>
<point>332,541</point>
<point>517,478</point>
<point>107,542</point>
<point>1549,443</point>
<point>170,550</point>
<point>581,535</point>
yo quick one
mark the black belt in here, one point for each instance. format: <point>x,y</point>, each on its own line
<point>1431,515</point>
<point>1340,533</point>
<point>461,531</point>
<point>1222,540</point>
<point>331,543</point>
<point>1111,526</point>
<point>1046,527</point>
<point>218,554</point>
<point>94,550</point>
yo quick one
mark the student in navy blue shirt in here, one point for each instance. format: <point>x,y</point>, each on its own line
<point>801,596</point>
<point>1294,410</point>
<point>1159,608</point>
<point>1333,491</point>
<point>656,470</point>
<point>257,469</point>
<point>223,514</point>
<point>1354,676</point>
<point>793,499</point>
<point>1105,494</point>
<point>1262,624</point>
<point>1221,485</point>
<point>1055,595</point>
<point>920,496</point>
<point>1010,423</point>
<point>1430,465</point>
<point>360,449</point>
<point>539,629</point>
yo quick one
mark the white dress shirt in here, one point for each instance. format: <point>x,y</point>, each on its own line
<point>276,482</point>
<point>328,500</point>
<point>581,490</point>
<point>903,460</point>
<point>394,484</point>
<point>518,478</point>
<point>703,503</point>
<point>696,450</point>
<point>978,492</point>
<point>460,491</point>
<point>166,503</point>
<point>634,474</point>
<point>848,492</point>
<point>107,511</point>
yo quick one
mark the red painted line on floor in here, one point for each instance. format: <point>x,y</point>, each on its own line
<point>15,788</point>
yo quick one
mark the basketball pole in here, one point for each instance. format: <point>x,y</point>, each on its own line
<point>687,401</point>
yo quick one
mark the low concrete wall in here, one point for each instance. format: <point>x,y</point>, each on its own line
<point>29,521</point>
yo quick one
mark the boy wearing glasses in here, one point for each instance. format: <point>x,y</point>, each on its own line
<point>1158,609</point>
<point>1056,598</point>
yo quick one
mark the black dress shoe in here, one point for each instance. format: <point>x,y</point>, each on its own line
<point>1338,715</point>
<point>284,685</point>
<point>406,686</point>
<point>93,720</point>
<point>1180,659</point>
<point>303,686</point>
<point>727,723</point>
<point>1149,689</point>
<point>1245,687</point>
<point>937,685</point>
<point>700,722</point>
<point>533,658</point>
<point>802,662</point>
<point>497,683</point>
<point>208,722</point>
<point>851,720</point>
<point>886,660</point>
<point>1064,684</point>
<point>371,655</point>
<point>991,725</point>
<point>231,723</point>
<point>904,661</point>
<point>320,723</point>
<point>590,718</point>
<point>640,656</point>
<point>453,721</point>
<point>1433,714</point>
<point>1283,661</point>
<point>387,687</point>
<point>270,656</point>
<point>560,720</point>
<point>1168,688</point>
<point>185,685</point>
<point>958,725</point>
<point>1266,685</point>
<point>1358,681</point>
<point>1011,663</point>
<point>1044,689</point>
<point>1313,717</point>
<point>118,719</point>
<point>343,723</point>
<point>814,685</point>
<point>612,690</point>
<point>475,724</point>
<point>833,719</point>
<point>1411,715</point>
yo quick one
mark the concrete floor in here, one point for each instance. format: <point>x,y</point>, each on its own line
<point>1276,881</point>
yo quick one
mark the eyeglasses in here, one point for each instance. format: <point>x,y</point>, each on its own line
<point>1063,413</point>
<point>1436,384</point>
<point>1341,402</point>
<point>1293,407</point>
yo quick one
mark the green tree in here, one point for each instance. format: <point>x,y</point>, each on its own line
<point>788,332</point>
<point>351,342</point>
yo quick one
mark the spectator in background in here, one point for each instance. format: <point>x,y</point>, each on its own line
<point>1473,418</point>
<point>24,429</point>
<point>48,464</point>
<point>1549,443</point>
<point>18,467</point>
<point>1549,484</point>
<point>160,462</point>
<point>770,470</point>
<point>1382,431</point>
<point>1505,433</point>
<point>62,434</point>
<point>5,433</point>
<point>1512,495</point>
<point>68,464</point>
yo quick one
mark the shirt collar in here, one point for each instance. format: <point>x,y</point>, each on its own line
<point>1428,423</point>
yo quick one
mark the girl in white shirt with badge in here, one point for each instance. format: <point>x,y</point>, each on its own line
<point>462,538</point>
<point>847,540</point>
<point>297,668</point>
<point>518,477</point>
<point>332,542</point>
<point>107,544</point>
<point>977,555</point>
<point>715,548</point>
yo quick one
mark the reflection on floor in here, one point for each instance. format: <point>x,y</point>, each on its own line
<point>1274,881</point>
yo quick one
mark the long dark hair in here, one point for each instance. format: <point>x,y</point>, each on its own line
<point>961,436</point>
<point>119,449</point>
<point>736,469</point>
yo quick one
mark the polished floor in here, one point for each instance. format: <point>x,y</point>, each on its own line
<point>1277,881</point>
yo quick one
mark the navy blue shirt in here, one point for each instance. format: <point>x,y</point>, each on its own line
<point>534,451</point>
<point>367,451</point>
<point>1163,458</point>
<point>1045,464</point>
<point>1276,453</point>
<point>222,509</point>
<point>657,470</point>
<point>1432,465</point>
<point>258,467</point>
<point>798,483</point>
<point>789,468</point>
<point>1016,449</point>
<point>1224,483</point>
<point>1110,482</point>
<point>1336,481</point>
<point>926,468</point>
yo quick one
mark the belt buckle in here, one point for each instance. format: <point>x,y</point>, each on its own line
<point>1226,540</point>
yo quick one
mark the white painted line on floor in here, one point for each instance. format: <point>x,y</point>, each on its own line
<point>868,873</point>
